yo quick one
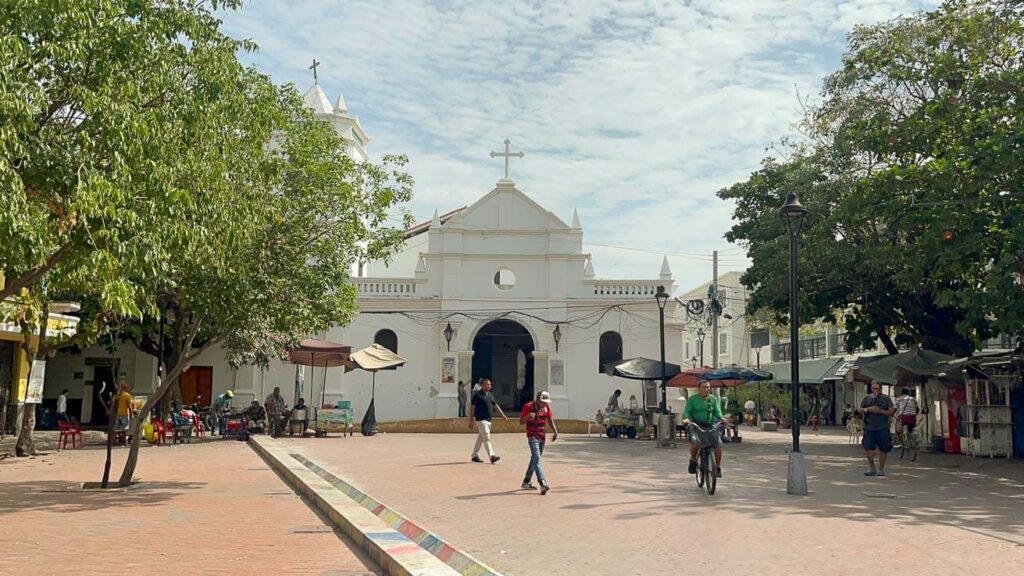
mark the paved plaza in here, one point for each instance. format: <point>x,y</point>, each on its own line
<point>616,507</point>
<point>626,507</point>
<point>204,508</point>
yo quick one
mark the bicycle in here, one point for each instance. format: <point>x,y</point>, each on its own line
<point>910,442</point>
<point>706,465</point>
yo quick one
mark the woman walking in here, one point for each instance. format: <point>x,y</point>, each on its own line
<point>536,415</point>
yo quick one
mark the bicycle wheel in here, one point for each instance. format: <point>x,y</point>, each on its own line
<point>701,466</point>
<point>914,444</point>
<point>903,444</point>
<point>711,481</point>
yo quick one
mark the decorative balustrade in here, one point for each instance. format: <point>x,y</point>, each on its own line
<point>385,287</point>
<point>628,288</point>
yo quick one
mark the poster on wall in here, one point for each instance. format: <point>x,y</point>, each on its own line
<point>557,373</point>
<point>35,382</point>
<point>448,370</point>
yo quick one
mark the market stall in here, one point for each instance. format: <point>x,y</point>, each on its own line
<point>638,419</point>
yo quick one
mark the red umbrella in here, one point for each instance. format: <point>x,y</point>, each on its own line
<point>689,378</point>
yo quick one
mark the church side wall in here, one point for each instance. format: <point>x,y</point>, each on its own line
<point>403,264</point>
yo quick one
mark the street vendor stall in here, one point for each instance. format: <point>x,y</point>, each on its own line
<point>637,420</point>
<point>315,353</point>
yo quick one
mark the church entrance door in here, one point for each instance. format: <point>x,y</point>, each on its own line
<point>503,352</point>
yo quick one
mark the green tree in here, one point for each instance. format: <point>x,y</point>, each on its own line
<point>910,168</point>
<point>275,263</point>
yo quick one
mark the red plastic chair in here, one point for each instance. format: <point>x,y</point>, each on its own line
<point>197,426</point>
<point>161,432</point>
<point>69,430</point>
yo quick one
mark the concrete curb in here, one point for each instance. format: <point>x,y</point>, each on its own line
<point>393,551</point>
<point>457,559</point>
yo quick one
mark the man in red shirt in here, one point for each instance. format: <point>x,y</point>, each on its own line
<point>536,415</point>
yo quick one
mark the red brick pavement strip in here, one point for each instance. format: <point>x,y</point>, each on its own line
<point>625,507</point>
<point>205,508</point>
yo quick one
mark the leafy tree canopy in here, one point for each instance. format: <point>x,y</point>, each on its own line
<point>910,167</point>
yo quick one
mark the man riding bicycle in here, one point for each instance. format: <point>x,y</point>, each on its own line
<point>907,410</point>
<point>703,410</point>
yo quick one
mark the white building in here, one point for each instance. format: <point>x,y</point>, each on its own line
<point>733,338</point>
<point>510,278</point>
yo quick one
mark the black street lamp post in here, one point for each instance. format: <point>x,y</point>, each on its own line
<point>662,298</point>
<point>793,214</point>
<point>700,341</point>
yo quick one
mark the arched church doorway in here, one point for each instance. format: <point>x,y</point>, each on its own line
<point>503,352</point>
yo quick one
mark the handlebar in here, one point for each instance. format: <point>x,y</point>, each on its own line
<point>698,427</point>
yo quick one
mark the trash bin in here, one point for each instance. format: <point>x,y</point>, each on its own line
<point>667,430</point>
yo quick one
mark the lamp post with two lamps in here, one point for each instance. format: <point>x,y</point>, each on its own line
<point>793,214</point>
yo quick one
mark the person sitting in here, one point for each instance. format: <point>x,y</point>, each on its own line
<point>775,415</point>
<point>301,405</point>
<point>256,416</point>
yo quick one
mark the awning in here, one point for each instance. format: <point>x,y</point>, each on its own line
<point>915,363</point>
<point>374,358</point>
<point>323,353</point>
<point>640,368</point>
<point>811,371</point>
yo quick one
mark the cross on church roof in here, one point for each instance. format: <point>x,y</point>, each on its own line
<point>313,68</point>
<point>506,154</point>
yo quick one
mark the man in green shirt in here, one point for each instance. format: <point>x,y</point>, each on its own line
<point>704,410</point>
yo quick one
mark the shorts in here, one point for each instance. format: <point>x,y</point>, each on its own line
<point>880,440</point>
<point>123,422</point>
<point>712,438</point>
<point>909,420</point>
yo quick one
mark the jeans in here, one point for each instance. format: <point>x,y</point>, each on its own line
<point>462,409</point>
<point>536,449</point>
<point>483,438</point>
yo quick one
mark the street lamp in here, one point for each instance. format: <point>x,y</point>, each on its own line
<point>448,333</point>
<point>557,334</point>
<point>793,214</point>
<point>662,298</point>
<point>700,341</point>
<point>693,361</point>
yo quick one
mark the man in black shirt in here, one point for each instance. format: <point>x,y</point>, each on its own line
<point>481,412</point>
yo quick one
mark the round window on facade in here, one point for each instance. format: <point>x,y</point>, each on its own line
<point>504,279</point>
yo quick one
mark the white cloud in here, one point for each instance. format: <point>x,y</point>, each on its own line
<point>633,112</point>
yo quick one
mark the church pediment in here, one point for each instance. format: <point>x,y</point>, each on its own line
<point>507,208</point>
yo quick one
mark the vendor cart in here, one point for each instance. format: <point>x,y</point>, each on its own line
<point>235,426</point>
<point>628,423</point>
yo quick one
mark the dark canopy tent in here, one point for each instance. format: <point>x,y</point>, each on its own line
<point>640,368</point>
<point>911,365</point>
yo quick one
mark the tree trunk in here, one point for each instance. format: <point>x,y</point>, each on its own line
<point>161,392</point>
<point>111,428</point>
<point>26,445</point>
<point>890,346</point>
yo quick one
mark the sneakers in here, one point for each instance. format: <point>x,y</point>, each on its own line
<point>544,489</point>
<point>871,473</point>
<point>693,467</point>
<point>495,459</point>
<point>477,459</point>
<point>528,486</point>
<point>881,472</point>
<point>718,472</point>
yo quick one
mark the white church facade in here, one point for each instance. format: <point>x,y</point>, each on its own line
<point>501,289</point>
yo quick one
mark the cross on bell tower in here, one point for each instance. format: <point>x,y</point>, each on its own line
<point>313,68</point>
<point>506,155</point>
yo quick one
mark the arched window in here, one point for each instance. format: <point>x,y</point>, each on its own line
<point>610,349</point>
<point>387,339</point>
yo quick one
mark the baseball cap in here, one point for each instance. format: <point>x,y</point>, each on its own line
<point>545,397</point>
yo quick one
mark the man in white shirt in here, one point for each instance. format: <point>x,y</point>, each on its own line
<point>62,406</point>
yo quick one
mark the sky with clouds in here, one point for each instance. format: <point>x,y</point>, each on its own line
<point>634,113</point>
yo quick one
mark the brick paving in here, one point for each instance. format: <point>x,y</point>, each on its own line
<point>626,507</point>
<point>206,508</point>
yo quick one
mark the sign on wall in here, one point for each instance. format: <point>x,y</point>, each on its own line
<point>35,382</point>
<point>448,370</point>
<point>557,372</point>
